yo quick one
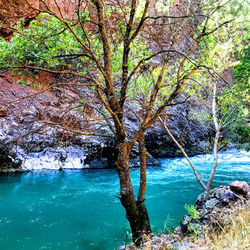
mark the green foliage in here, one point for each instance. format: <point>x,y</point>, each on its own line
<point>193,212</point>
<point>247,147</point>
<point>238,94</point>
<point>192,228</point>
<point>164,6</point>
<point>242,70</point>
<point>194,217</point>
<point>227,48</point>
<point>28,83</point>
<point>39,45</point>
<point>21,82</point>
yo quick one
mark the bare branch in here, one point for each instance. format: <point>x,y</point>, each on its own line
<point>198,178</point>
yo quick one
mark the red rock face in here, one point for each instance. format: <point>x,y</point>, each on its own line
<point>53,105</point>
<point>11,11</point>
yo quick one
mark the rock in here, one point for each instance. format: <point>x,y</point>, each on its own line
<point>99,164</point>
<point>11,11</point>
<point>55,158</point>
<point>194,138</point>
<point>156,240</point>
<point>188,244</point>
<point>151,161</point>
<point>25,125</point>
<point>216,193</point>
<point>196,228</point>
<point>227,197</point>
<point>240,187</point>
<point>134,161</point>
<point>210,204</point>
<point>184,223</point>
<point>248,195</point>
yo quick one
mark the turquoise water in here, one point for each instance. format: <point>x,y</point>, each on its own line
<point>78,209</point>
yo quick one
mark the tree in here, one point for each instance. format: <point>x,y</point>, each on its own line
<point>224,102</point>
<point>127,52</point>
<point>217,128</point>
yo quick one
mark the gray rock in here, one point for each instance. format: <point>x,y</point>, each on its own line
<point>194,138</point>
<point>184,223</point>
<point>227,197</point>
<point>178,246</point>
<point>216,193</point>
<point>99,164</point>
<point>188,244</point>
<point>151,161</point>
<point>210,204</point>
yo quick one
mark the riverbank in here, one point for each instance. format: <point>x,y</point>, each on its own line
<point>219,220</point>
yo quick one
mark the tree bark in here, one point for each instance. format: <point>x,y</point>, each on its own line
<point>143,181</point>
<point>136,211</point>
<point>143,162</point>
<point>217,137</point>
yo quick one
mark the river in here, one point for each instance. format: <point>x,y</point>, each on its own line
<point>49,209</point>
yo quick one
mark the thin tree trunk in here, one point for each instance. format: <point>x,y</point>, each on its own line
<point>215,153</point>
<point>143,181</point>
<point>217,137</point>
<point>136,212</point>
<point>198,178</point>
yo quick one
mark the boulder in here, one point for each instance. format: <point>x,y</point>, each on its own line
<point>240,187</point>
<point>184,223</point>
<point>210,204</point>
<point>248,195</point>
<point>227,197</point>
<point>209,198</point>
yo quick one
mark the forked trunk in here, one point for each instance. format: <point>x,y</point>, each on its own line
<point>136,211</point>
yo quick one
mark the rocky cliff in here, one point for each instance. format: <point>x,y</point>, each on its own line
<point>49,130</point>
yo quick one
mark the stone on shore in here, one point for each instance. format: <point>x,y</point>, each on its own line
<point>240,187</point>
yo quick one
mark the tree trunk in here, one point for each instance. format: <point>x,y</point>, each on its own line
<point>143,181</point>
<point>136,212</point>
<point>217,137</point>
